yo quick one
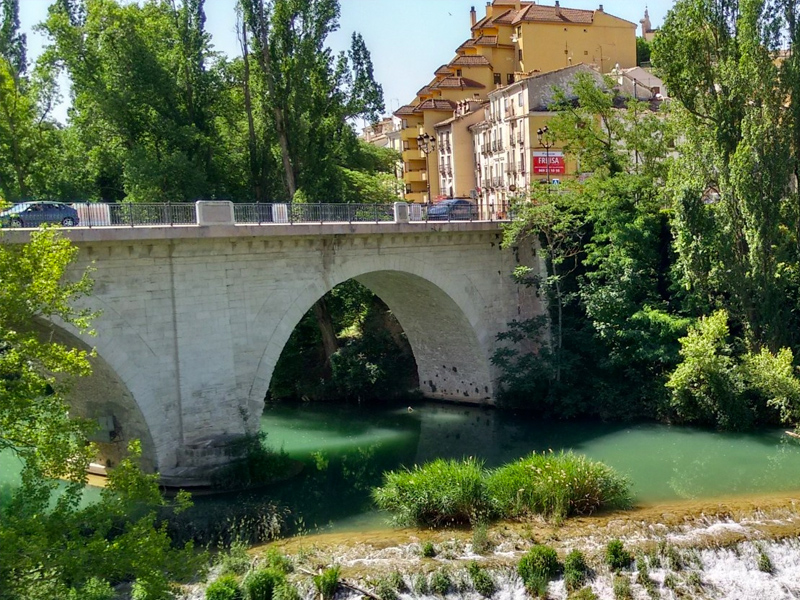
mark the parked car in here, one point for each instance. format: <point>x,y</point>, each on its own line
<point>33,214</point>
<point>455,209</point>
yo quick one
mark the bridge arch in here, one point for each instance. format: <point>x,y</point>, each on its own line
<point>105,398</point>
<point>441,314</point>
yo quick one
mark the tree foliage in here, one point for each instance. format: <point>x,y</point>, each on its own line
<point>50,544</point>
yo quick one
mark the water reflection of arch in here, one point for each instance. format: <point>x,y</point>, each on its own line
<point>105,397</point>
<point>443,317</point>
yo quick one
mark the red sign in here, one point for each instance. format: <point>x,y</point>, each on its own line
<point>555,160</point>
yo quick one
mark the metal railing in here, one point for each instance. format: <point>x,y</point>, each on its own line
<point>129,214</point>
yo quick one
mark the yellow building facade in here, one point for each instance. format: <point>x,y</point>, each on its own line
<point>513,40</point>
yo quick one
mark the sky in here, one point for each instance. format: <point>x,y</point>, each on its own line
<point>408,39</point>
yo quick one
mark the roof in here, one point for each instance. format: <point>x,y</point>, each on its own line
<point>486,40</point>
<point>468,44</point>
<point>436,104</point>
<point>443,70</point>
<point>404,110</point>
<point>461,83</point>
<point>424,91</point>
<point>553,14</point>
<point>470,61</point>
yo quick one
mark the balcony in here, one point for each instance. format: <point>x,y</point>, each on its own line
<point>494,146</point>
<point>512,140</point>
<point>416,176</point>
<point>520,137</point>
<point>412,155</point>
<point>449,171</point>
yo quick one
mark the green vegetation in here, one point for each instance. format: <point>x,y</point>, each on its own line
<point>62,549</point>
<point>480,539</point>
<point>575,570</point>
<point>583,594</point>
<point>617,557</point>
<point>481,580</point>
<point>622,588</point>
<point>327,582</point>
<point>440,582</point>
<point>537,568</point>
<point>446,492</point>
<point>556,486</point>
<point>672,265</point>
<point>260,584</point>
<point>428,550</point>
<point>439,493</point>
<point>225,587</point>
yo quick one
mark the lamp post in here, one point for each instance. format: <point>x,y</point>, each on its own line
<point>427,144</point>
<point>545,143</point>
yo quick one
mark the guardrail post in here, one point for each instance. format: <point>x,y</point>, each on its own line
<point>130,212</point>
<point>291,213</point>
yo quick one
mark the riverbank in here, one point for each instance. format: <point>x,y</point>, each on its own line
<point>697,549</point>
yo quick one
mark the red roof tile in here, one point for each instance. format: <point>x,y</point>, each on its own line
<point>437,104</point>
<point>553,14</point>
<point>404,110</point>
<point>462,83</point>
<point>471,61</point>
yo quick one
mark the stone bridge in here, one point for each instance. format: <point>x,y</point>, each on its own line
<point>194,318</point>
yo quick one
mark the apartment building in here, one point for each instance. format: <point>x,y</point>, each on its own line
<point>456,157</point>
<point>510,152</point>
<point>514,40</point>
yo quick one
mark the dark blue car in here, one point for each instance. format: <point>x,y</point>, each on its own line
<point>33,214</point>
<point>453,209</point>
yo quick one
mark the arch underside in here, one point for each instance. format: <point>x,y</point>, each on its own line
<point>452,363</point>
<point>104,398</point>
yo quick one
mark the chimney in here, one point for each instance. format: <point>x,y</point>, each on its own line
<point>473,17</point>
<point>600,9</point>
<point>558,8</point>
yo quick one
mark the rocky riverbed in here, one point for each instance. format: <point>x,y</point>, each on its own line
<point>738,549</point>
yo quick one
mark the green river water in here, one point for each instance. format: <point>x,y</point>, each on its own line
<point>345,450</point>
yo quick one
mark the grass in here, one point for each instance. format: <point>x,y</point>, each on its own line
<point>260,584</point>
<point>537,567</point>
<point>617,557</point>
<point>449,492</point>
<point>439,493</point>
<point>482,582</point>
<point>575,570</point>
<point>327,582</point>
<point>557,485</point>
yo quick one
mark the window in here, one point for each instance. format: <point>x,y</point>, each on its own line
<point>520,101</point>
<point>586,53</point>
<point>497,78</point>
<point>519,53</point>
<point>510,78</point>
<point>458,72</point>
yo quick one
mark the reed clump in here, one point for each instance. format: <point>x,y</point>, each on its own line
<point>447,492</point>
<point>557,485</point>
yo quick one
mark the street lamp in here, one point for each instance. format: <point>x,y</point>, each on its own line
<point>427,144</point>
<point>545,143</point>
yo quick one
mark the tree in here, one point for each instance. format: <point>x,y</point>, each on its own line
<point>49,546</point>
<point>736,217</point>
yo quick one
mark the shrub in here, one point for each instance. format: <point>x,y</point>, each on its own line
<point>583,594</point>
<point>259,585</point>
<point>764,562</point>
<point>480,539</point>
<point>428,550</point>
<point>224,588</point>
<point>286,590</point>
<point>556,486</point>
<point>617,557</point>
<point>622,588</point>
<point>537,567</point>
<point>327,582</point>
<point>574,570</point>
<point>419,584</point>
<point>388,587</point>
<point>441,492</point>
<point>94,589</point>
<point>440,582</point>
<point>275,559</point>
<point>236,561</point>
<point>481,580</point>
